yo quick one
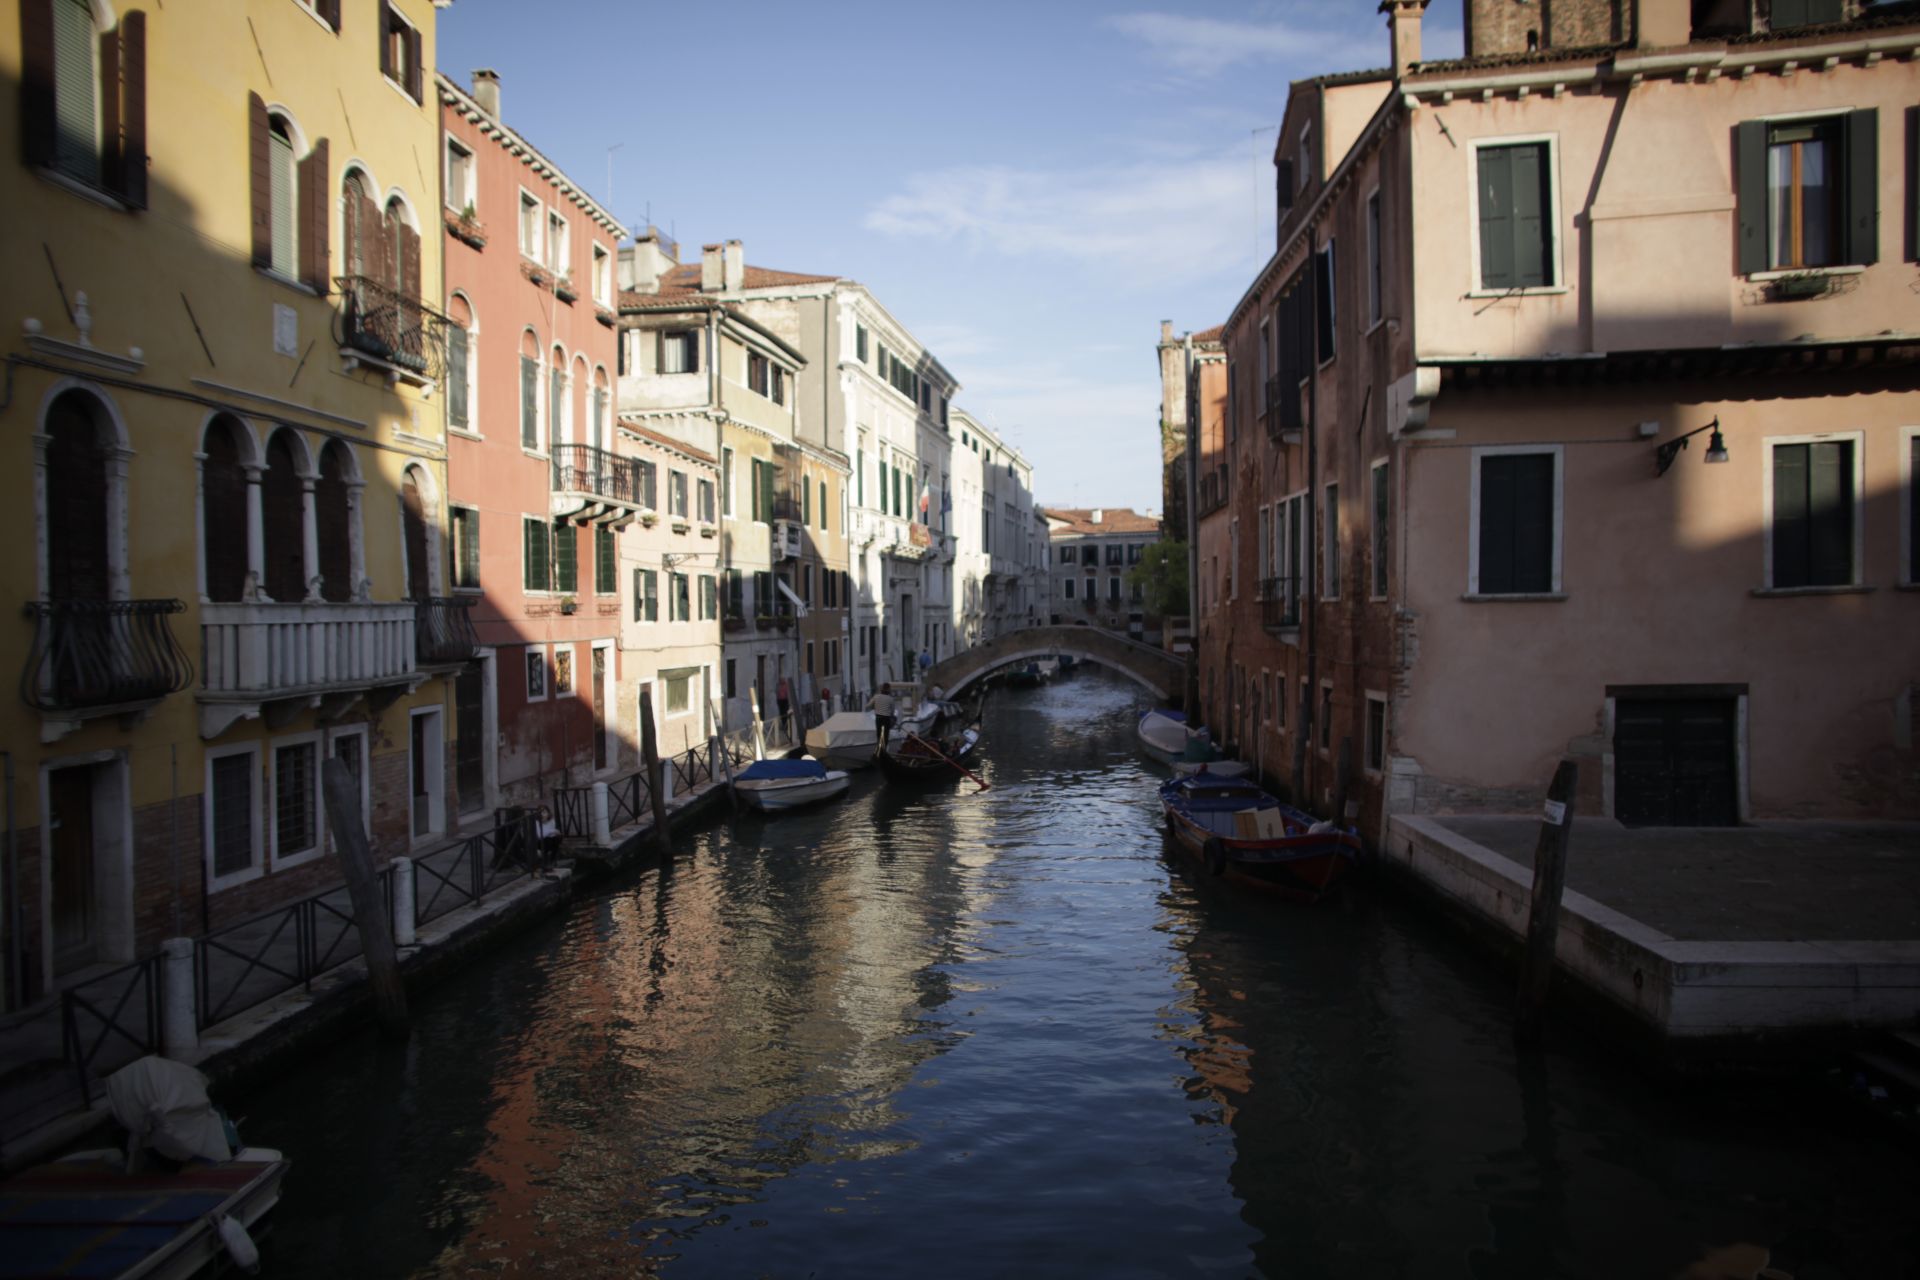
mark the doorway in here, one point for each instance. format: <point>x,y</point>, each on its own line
<point>86,899</point>
<point>600,751</point>
<point>427,773</point>
<point>1676,756</point>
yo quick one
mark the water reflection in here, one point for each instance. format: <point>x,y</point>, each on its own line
<point>994,1034</point>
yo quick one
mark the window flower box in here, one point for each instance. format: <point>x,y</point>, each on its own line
<point>605,316</point>
<point>680,526</point>
<point>538,274</point>
<point>563,289</point>
<point>1808,284</point>
<point>463,226</point>
<point>649,519</point>
<point>708,531</point>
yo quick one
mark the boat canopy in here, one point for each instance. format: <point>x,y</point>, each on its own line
<point>780,770</point>
<point>844,729</point>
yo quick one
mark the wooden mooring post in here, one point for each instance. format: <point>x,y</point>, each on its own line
<point>656,784</point>
<point>1543,915</point>
<point>363,886</point>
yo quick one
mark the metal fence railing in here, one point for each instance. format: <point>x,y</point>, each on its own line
<point>108,1021</point>
<point>477,866</point>
<point>249,962</point>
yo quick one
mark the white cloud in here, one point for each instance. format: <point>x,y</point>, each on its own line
<point>1139,223</point>
<point>1197,46</point>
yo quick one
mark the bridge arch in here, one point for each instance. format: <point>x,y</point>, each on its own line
<point>1155,670</point>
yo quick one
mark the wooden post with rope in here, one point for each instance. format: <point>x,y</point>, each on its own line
<point>726,758</point>
<point>1543,916</point>
<point>370,915</point>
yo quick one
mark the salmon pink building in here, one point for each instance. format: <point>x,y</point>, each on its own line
<point>539,489</point>
<point>1575,416</point>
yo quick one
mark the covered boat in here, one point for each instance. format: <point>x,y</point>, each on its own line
<point>774,786</point>
<point>845,740</point>
<point>1242,834</point>
<point>1163,734</point>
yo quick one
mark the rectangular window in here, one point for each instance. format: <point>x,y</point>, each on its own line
<point>806,502</point>
<point>536,673</point>
<point>296,818</point>
<point>733,679</point>
<point>466,548</point>
<point>679,689</point>
<point>459,177</point>
<point>1804,194</point>
<point>604,582</point>
<point>679,601</point>
<point>1116,553</point>
<point>566,570</point>
<point>1326,716</point>
<point>230,813</point>
<point>559,261</point>
<point>536,538</point>
<point>1323,297</point>
<point>649,485</point>
<point>529,227</point>
<point>646,599</point>
<point>602,276</point>
<point>1515,210</point>
<point>529,403</point>
<point>703,494</point>
<point>1376,747</point>
<point>1375,280</point>
<point>1113,588</point>
<point>1516,524</point>
<point>1066,588</point>
<point>457,378</point>
<point>1067,555</point>
<point>1382,507</point>
<point>860,343</point>
<point>563,671</point>
<point>709,598</point>
<point>677,494</point>
<point>736,596</point>
<point>823,506</point>
<point>757,367</point>
<point>1813,514</point>
<point>680,351</point>
<point>726,482</point>
<point>280,170</point>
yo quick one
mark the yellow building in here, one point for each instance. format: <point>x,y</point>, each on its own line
<point>226,461</point>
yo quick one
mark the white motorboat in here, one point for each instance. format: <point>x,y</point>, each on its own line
<point>845,740</point>
<point>1163,734</point>
<point>775,786</point>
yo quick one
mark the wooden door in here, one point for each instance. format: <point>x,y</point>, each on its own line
<point>1674,762</point>
<point>70,815</point>
<point>599,709</point>
<point>469,744</point>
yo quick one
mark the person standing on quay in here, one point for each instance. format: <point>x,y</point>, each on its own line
<point>881,704</point>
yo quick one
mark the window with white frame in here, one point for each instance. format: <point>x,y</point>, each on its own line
<point>296,799</point>
<point>602,275</point>
<point>465,529</point>
<point>233,815</point>
<point>704,495</point>
<point>563,671</point>
<point>536,673</point>
<point>530,226</point>
<point>1814,528</point>
<point>1808,191</point>
<point>679,684</point>
<point>1514,204</point>
<point>460,196</point>
<point>677,494</point>
<point>559,260</point>
<point>680,351</point>
<point>1515,532</point>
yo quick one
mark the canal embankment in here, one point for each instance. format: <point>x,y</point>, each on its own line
<point>1731,938</point>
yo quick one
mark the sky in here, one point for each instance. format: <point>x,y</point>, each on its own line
<point>1030,188</point>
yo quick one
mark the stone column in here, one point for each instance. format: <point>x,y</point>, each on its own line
<point>179,1018</point>
<point>309,540</point>
<point>256,536</point>
<point>403,899</point>
<point>602,823</point>
<point>361,586</point>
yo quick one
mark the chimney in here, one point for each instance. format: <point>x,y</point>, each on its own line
<point>733,266</point>
<point>1662,24</point>
<point>1166,332</point>
<point>486,91</point>
<point>1099,514</point>
<point>1403,23</point>
<point>710,272</point>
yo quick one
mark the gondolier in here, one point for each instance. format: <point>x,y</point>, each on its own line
<point>881,704</point>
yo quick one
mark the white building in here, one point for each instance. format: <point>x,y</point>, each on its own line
<point>1000,558</point>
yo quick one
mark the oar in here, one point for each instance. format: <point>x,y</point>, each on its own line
<point>914,737</point>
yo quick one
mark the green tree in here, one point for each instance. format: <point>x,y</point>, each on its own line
<point>1162,576</point>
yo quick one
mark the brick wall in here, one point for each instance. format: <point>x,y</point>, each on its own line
<point>1501,26</point>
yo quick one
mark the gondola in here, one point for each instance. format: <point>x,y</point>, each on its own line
<point>1245,836</point>
<point>932,755</point>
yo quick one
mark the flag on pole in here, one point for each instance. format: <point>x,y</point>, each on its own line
<point>926,496</point>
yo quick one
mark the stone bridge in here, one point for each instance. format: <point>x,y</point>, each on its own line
<point>1160,673</point>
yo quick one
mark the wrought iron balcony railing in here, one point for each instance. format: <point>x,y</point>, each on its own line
<point>91,654</point>
<point>585,468</point>
<point>382,322</point>
<point>786,507</point>
<point>1280,603</point>
<point>443,629</point>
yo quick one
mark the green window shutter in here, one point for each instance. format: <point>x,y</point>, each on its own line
<point>534,565</point>
<point>603,556</point>
<point>653,595</point>
<point>823,506</point>
<point>1531,209</point>
<point>806,502</point>
<point>529,403</point>
<point>556,405</point>
<point>599,440</point>
<point>1788,13</point>
<point>76,143</point>
<point>1791,566</point>
<point>566,573</point>
<point>1750,188</point>
<point>1830,512</point>
<point>766,498</point>
<point>457,376</point>
<point>639,595</point>
<point>1862,194</point>
<point>860,478</point>
<point>1496,218</point>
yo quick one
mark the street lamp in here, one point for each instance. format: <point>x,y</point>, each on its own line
<point>1716,447</point>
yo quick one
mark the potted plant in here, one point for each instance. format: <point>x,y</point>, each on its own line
<point>649,519</point>
<point>465,225</point>
<point>568,604</point>
<point>605,316</point>
<point>1801,284</point>
<point>680,526</point>
<point>708,531</point>
<point>563,289</point>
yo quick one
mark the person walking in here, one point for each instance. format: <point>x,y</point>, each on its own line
<point>783,694</point>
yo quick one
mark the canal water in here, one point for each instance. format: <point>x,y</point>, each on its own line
<point>944,1033</point>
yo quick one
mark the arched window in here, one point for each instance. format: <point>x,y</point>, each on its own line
<point>461,400</point>
<point>557,424</point>
<point>333,522</point>
<point>529,391</point>
<point>359,222</point>
<point>283,195</point>
<point>402,250</point>
<point>223,509</point>
<point>413,521</point>
<point>78,565</point>
<point>283,520</point>
<point>602,404</point>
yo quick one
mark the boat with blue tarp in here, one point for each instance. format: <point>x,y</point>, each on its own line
<point>1242,834</point>
<point>773,786</point>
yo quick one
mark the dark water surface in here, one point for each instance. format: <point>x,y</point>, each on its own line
<point>949,1034</point>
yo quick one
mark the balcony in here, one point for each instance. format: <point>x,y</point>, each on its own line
<point>787,540</point>
<point>1279,604</point>
<point>274,660</point>
<point>787,507</point>
<point>443,631</point>
<point>594,486</point>
<point>98,658</point>
<point>384,329</point>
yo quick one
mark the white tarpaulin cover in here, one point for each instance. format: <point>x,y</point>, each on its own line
<point>164,1105</point>
<point>844,731</point>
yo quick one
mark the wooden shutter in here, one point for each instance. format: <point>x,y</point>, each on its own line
<point>1750,186</point>
<point>112,169</point>
<point>1862,193</point>
<point>1533,522</point>
<point>1496,217</point>
<point>1531,209</point>
<point>260,166</point>
<point>315,256</point>
<point>533,562</point>
<point>529,403</point>
<point>133,109</point>
<point>36,87</point>
<point>329,11</point>
<point>414,77</point>
<point>566,568</point>
<point>1790,542</point>
<point>387,68</point>
<point>409,262</point>
<point>457,376</point>
<point>280,200</point>
<point>1830,513</point>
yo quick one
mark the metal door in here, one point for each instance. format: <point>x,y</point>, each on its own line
<point>1674,762</point>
